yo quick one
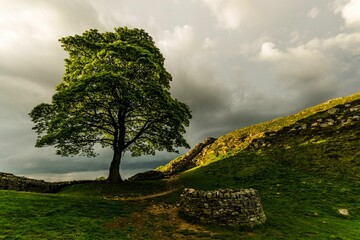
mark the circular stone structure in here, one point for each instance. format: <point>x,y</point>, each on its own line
<point>223,207</point>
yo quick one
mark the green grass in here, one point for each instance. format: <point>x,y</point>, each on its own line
<point>83,211</point>
<point>128,189</point>
<point>303,179</point>
<point>41,216</point>
<point>298,204</point>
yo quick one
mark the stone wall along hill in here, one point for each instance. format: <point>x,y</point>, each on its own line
<point>9,181</point>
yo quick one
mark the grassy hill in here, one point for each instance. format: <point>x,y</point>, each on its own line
<point>306,168</point>
<point>239,140</point>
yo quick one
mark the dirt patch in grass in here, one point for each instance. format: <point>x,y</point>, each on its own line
<point>159,221</point>
<point>139,198</point>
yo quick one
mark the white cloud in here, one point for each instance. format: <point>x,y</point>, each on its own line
<point>305,73</point>
<point>269,52</point>
<point>208,43</point>
<point>316,70</point>
<point>32,22</point>
<point>307,54</point>
<point>314,12</point>
<point>229,13</point>
<point>345,41</point>
<point>181,38</point>
<point>350,11</point>
<point>304,64</point>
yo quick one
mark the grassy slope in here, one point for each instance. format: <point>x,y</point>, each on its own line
<point>302,187</point>
<point>238,140</point>
<point>303,180</point>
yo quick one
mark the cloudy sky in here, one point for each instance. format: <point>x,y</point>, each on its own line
<point>234,62</point>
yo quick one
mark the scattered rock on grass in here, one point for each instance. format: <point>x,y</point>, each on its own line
<point>344,211</point>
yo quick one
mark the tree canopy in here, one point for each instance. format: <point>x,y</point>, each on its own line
<point>114,92</point>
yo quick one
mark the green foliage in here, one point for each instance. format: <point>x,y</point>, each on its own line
<point>115,92</point>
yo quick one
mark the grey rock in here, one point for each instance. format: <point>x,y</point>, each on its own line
<point>333,111</point>
<point>355,108</point>
<point>356,118</point>
<point>343,211</point>
<point>226,207</point>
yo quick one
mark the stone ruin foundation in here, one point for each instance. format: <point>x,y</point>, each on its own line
<point>224,207</point>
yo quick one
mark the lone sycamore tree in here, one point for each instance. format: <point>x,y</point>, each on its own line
<point>114,92</point>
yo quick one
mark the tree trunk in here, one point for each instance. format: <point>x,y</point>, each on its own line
<point>114,170</point>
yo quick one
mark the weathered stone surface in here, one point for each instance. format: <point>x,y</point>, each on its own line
<point>355,108</point>
<point>331,120</point>
<point>343,211</point>
<point>356,118</point>
<point>224,207</point>
<point>149,175</point>
<point>333,111</point>
<point>188,160</point>
<point>324,125</point>
<point>9,181</point>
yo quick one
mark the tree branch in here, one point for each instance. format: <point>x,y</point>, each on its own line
<point>140,132</point>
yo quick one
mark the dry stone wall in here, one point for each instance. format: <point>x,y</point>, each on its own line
<point>224,207</point>
<point>188,160</point>
<point>9,181</point>
<point>148,175</point>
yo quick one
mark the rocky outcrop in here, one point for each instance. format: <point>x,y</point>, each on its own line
<point>189,160</point>
<point>330,120</point>
<point>9,181</point>
<point>224,207</point>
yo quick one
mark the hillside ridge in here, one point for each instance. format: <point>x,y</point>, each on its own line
<point>332,115</point>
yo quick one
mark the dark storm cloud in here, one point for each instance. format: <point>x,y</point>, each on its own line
<point>234,62</point>
<point>42,162</point>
